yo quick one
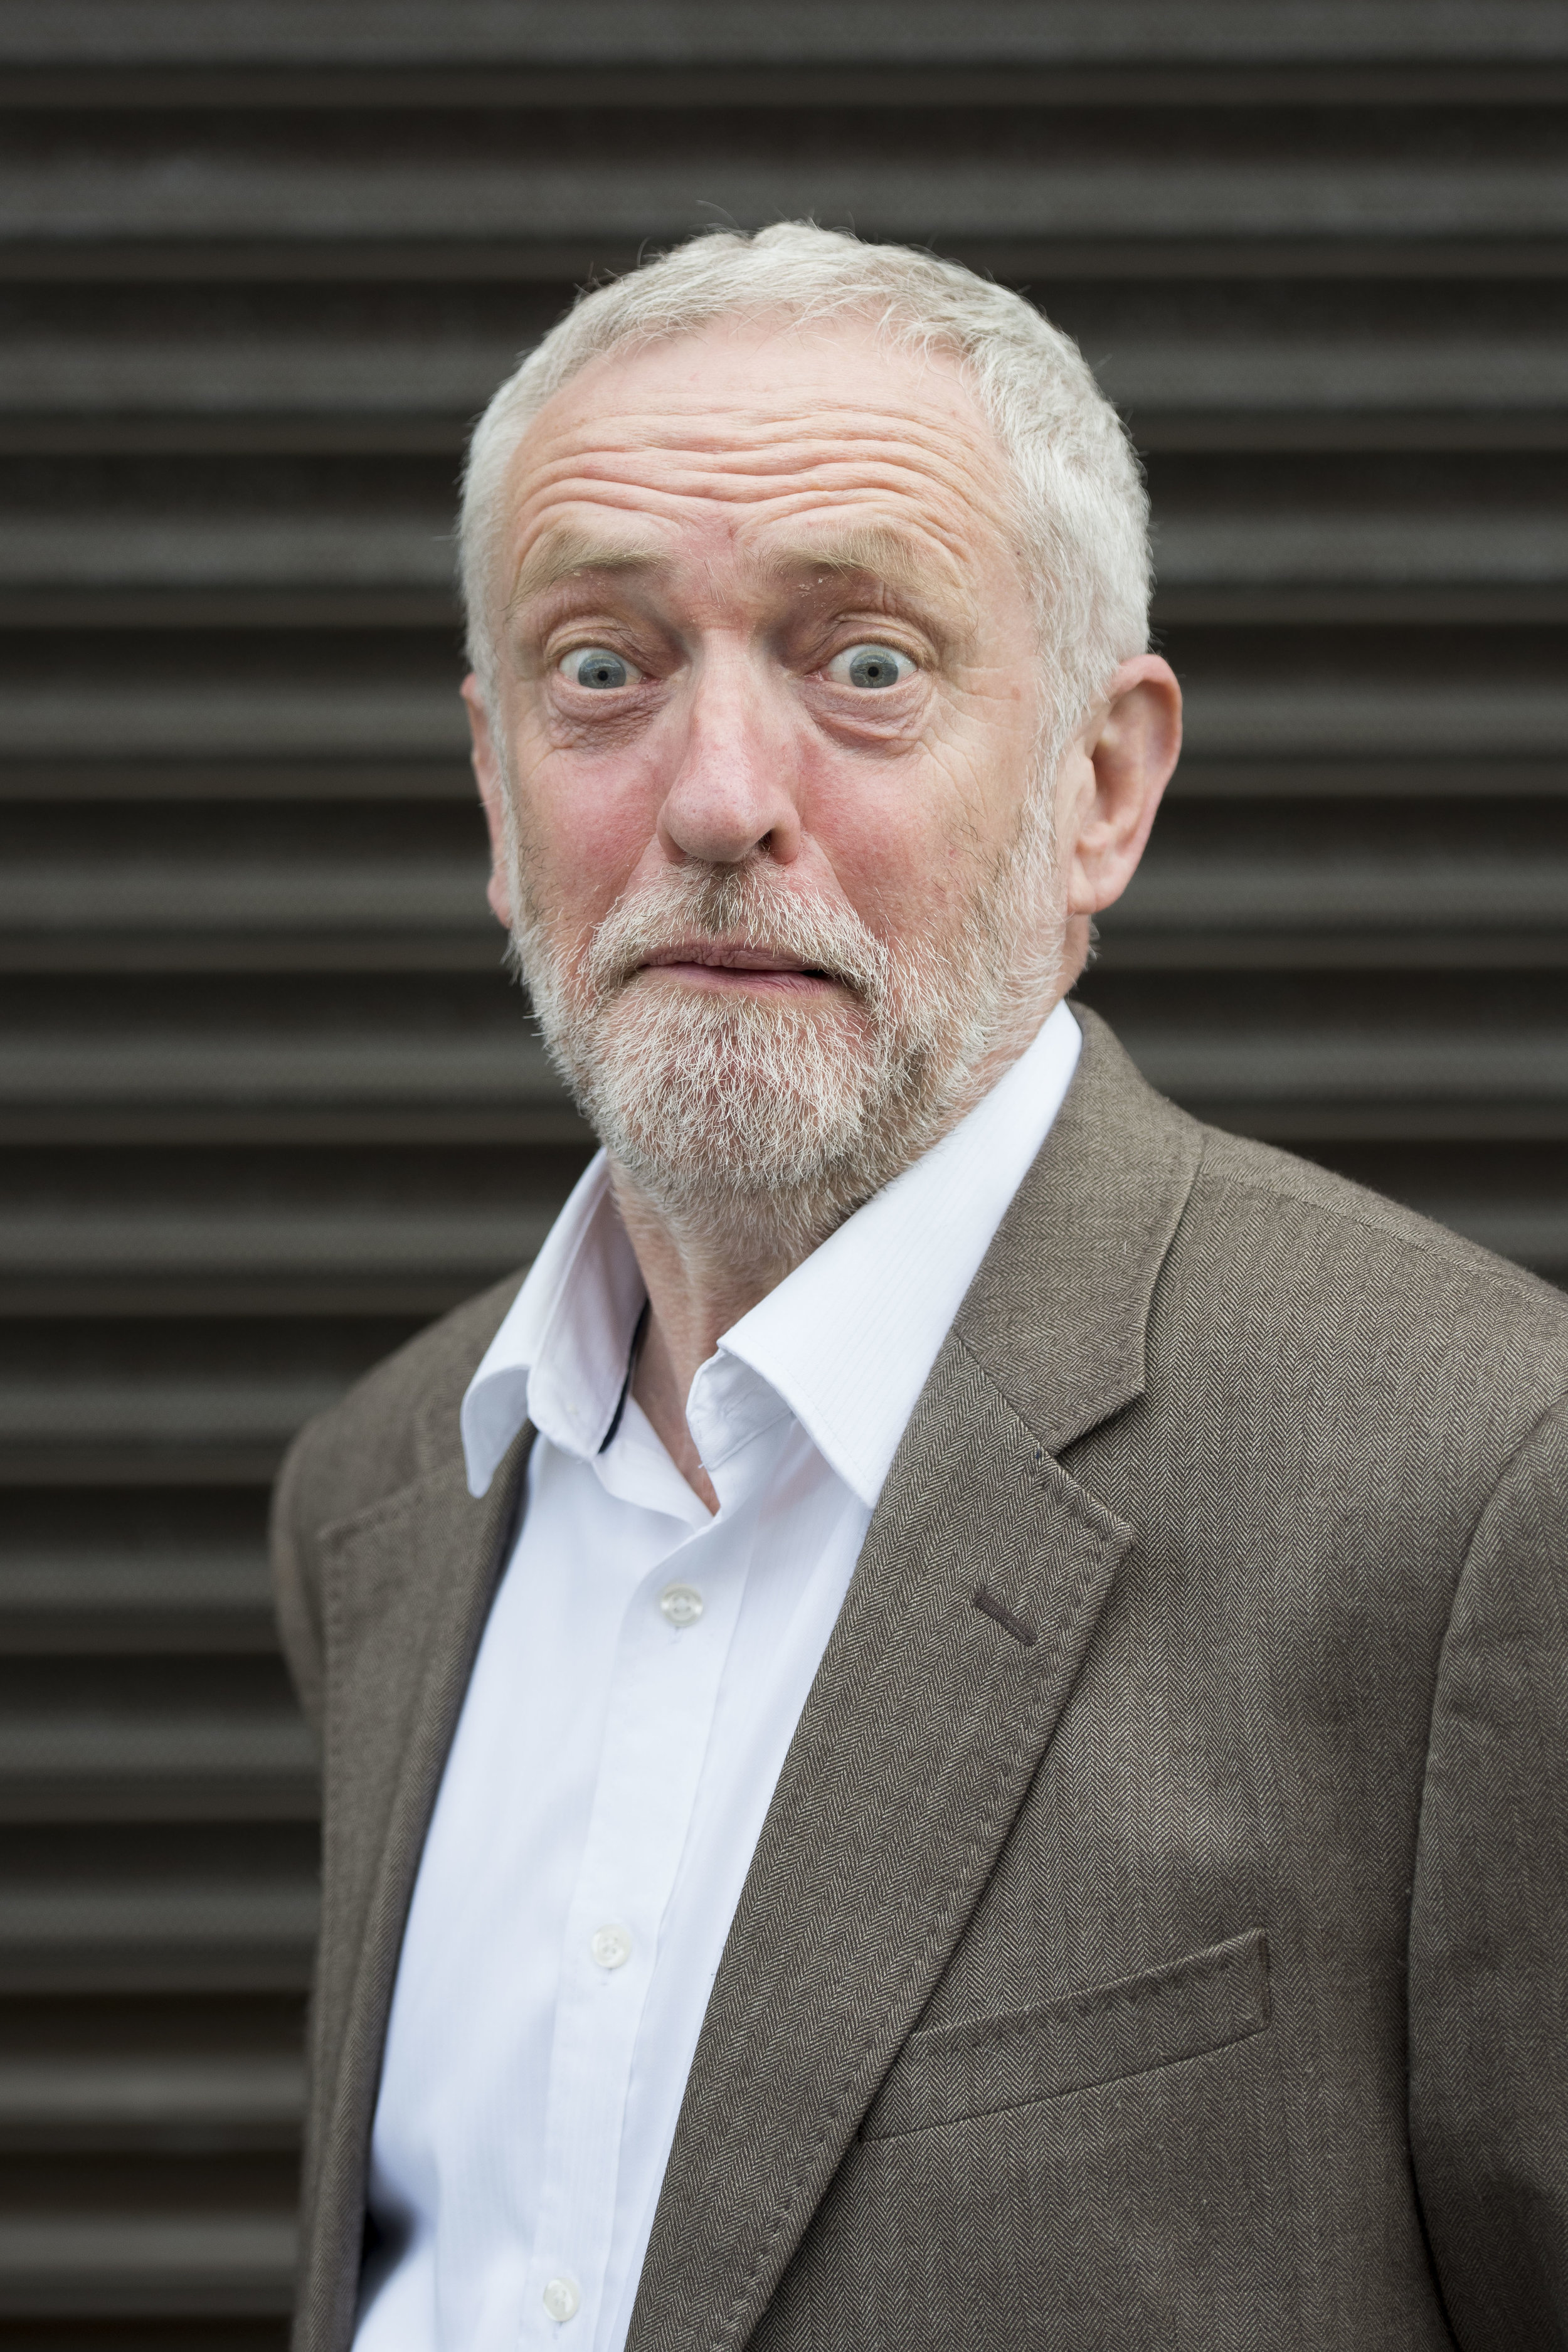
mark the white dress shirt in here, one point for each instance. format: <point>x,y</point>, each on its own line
<point>636,1688</point>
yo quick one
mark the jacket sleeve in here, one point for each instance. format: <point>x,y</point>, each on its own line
<point>296,1589</point>
<point>1488,1949</point>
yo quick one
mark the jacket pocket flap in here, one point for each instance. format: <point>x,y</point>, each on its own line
<point>1190,2005</point>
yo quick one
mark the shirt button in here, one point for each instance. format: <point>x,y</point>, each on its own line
<point>562,2299</point>
<point>680,1605</point>
<point>612,1948</point>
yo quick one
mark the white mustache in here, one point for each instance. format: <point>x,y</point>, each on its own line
<point>734,907</point>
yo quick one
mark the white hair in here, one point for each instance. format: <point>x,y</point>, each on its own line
<point>1080,509</point>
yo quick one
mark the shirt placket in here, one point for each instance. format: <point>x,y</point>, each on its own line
<point>664,1690</point>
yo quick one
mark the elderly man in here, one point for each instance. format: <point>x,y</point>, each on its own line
<point>949,1728</point>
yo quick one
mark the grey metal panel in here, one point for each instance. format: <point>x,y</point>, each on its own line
<point>535,32</point>
<point>1353,879</point>
<point>296,356</point>
<point>969,176</point>
<point>120,1909</point>
<point>1394,693</point>
<point>102,1573</point>
<point>161,696</point>
<point>184,1738</point>
<point>260,523</point>
<point>271,1100</point>
<point>124,2098</point>
<point>166,2265</point>
<point>290,365</point>
<point>312,1217</point>
<point>212,1399</point>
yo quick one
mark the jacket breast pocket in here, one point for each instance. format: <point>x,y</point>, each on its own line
<point>1199,2003</point>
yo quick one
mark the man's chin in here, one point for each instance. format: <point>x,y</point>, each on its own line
<point>703,1120</point>
<point>770,1115</point>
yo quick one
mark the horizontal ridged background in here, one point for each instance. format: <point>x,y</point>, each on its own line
<point>269,1100</point>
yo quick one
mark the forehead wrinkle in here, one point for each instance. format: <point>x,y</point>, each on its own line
<point>731,455</point>
<point>710,442</point>
<point>834,477</point>
<point>603,463</point>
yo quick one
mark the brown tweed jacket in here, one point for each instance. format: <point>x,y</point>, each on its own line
<point>1159,1938</point>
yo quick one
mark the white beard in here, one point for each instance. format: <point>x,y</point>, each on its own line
<point>762,1121</point>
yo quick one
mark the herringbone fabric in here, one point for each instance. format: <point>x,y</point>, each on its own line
<point>1157,1936</point>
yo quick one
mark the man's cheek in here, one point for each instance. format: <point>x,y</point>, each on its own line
<point>598,850</point>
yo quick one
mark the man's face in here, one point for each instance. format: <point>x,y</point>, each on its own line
<point>769,712</point>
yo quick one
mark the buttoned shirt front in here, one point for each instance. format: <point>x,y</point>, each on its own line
<point>634,1697</point>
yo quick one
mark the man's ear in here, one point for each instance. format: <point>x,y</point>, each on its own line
<point>492,787</point>
<point>1112,781</point>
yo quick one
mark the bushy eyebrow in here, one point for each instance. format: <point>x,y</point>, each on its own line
<point>864,551</point>
<point>869,551</point>
<point>565,553</point>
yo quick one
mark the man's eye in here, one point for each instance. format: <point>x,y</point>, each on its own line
<point>595,666</point>
<point>869,666</point>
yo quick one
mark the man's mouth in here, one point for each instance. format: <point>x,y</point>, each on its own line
<point>716,964</point>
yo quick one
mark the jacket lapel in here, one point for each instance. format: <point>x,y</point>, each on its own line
<point>406,1588</point>
<point>930,1713</point>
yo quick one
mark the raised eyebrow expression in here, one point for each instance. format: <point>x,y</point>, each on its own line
<point>898,582</point>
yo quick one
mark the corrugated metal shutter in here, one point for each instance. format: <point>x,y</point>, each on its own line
<point>270,1101</point>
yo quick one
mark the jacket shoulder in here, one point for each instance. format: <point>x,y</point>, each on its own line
<point>1260,1179</point>
<point>1368,1288</point>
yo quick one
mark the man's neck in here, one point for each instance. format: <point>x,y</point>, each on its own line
<point>699,1285</point>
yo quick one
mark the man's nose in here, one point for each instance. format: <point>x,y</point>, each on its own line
<point>733,792</point>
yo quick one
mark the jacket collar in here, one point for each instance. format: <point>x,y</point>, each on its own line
<point>1058,1313</point>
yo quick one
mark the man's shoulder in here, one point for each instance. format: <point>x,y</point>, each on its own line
<point>1295,1259</point>
<point>1261,1235</point>
<point>398,1422</point>
<point>1248,1185</point>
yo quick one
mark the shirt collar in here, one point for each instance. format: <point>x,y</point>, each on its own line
<point>845,1342</point>
<point>849,1338</point>
<point>558,1358</point>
